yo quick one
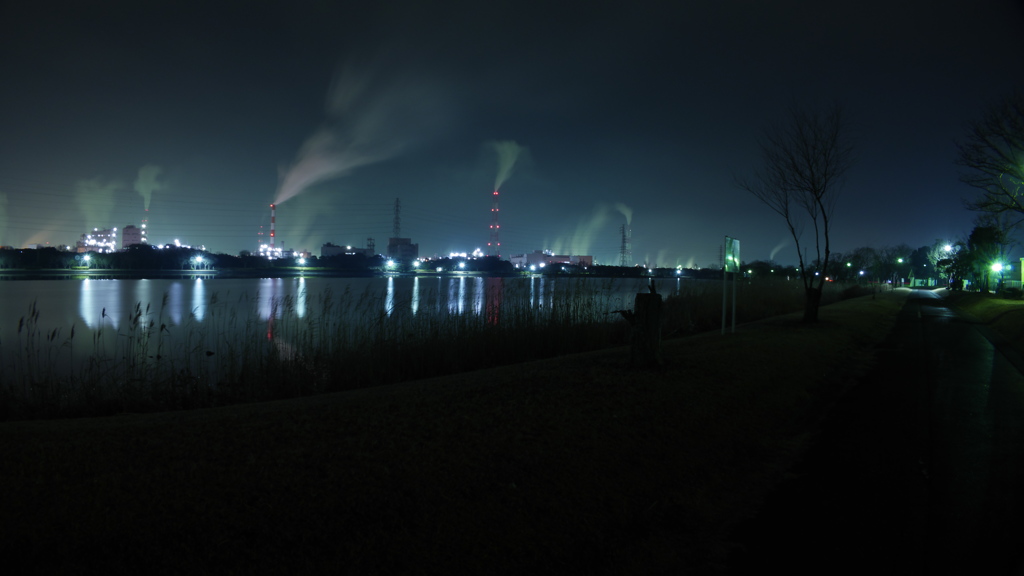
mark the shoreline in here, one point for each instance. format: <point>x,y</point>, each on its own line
<point>574,464</point>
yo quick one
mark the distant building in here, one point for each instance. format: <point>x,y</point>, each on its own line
<point>132,235</point>
<point>403,249</point>
<point>545,257</point>
<point>98,241</point>
<point>330,249</point>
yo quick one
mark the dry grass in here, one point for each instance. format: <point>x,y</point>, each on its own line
<point>327,342</point>
<point>1003,315</point>
<point>567,465</point>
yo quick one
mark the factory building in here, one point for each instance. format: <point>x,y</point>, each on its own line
<point>132,235</point>
<point>402,249</point>
<point>330,249</point>
<point>98,241</point>
<point>546,257</point>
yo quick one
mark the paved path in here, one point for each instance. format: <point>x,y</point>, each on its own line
<point>919,470</point>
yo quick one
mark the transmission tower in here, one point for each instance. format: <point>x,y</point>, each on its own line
<point>625,254</point>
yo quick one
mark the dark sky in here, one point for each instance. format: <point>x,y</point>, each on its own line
<point>210,111</point>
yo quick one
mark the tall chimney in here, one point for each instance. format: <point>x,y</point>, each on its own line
<point>273,217</point>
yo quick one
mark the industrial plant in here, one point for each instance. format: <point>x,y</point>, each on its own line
<point>400,251</point>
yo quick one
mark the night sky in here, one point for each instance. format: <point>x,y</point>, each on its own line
<point>209,111</point>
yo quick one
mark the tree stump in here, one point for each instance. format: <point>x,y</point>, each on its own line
<point>645,322</point>
<point>646,351</point>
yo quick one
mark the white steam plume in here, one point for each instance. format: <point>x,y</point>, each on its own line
<point>508,152</point>
<point>585,234</point>
<point>626,211</point>
<point>775,250</point>
<point>96,199</point>
<point>148,182</point>
<point>368,121</point>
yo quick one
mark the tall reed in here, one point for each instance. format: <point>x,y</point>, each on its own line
<point>305,344</point>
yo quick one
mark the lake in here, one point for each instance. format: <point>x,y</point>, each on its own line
<point>210,311</point>
<point>109,303</point>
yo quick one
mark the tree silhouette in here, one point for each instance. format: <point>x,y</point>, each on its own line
<point>993,153</point>
<point>804,162</point>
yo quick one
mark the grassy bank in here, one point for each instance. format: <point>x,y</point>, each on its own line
<point>1004,316</point>
<point>566,465</point>
<point>245,349</point>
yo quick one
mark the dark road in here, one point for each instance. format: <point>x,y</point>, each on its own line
<point>918,470</point>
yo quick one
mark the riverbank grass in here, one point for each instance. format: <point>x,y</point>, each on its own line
<point>569,465</point>
<point>236,349</point>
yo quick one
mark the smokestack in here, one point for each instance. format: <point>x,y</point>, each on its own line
<point>494,245</point>
<point>273,217</point>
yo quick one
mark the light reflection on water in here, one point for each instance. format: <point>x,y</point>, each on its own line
<point>108,304</point>
<point>198,299</point>
<point>415,300</point>
<point>389,299</point>
<point>204,317</point>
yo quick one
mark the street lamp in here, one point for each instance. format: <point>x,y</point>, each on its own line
<point>997,267</point>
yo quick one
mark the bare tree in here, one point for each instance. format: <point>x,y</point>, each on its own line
<point>993,153</point>
<point>805,160</point>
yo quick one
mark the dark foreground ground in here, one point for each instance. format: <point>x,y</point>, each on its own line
<point>919,469</point>
<point>574,465</point>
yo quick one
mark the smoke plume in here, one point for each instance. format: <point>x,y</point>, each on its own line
<point>368,121</point>
<point>626,211</point>
<point>586,233</point>
<point>96,198</point>
<point>775,250</point>
<point>508,152</point>
<point>148,182</point>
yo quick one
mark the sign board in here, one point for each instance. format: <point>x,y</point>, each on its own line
<point>732,255</point>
